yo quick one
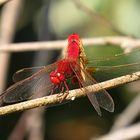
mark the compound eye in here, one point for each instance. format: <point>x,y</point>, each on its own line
<point>60,76</point>
<point>54,78</point>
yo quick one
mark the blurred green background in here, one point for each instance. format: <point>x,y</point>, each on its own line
<point>55,19</point>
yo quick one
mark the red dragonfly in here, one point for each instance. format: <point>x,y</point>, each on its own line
<point>55,78</point>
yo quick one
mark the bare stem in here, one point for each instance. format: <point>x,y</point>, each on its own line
<point>9,17</point>
<point>54,99</point>
<point>95,15</point>
<point>4,1</point>
<point>128,115</point>
<point>127,43</point>
<point>130,132</point>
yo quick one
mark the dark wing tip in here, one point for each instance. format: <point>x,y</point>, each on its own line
<point>111,107</point>
<point>99,113</point>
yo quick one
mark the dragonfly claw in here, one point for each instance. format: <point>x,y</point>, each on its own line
<point>64,96</point>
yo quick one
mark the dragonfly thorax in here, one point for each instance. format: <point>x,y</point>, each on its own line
<point>56,77</point>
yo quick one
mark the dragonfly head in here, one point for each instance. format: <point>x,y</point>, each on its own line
<point>56,77</point>
<point>73,36</point>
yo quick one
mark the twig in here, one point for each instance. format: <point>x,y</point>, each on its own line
<point>93,14</point>
<point>4,1</point>
<point>9,18</point>
<point>19,130</point>
<point>32,46</point>
<point>131,132</point>
<point>35,130</point>
<point>128,115</point>
<point>55,99</point>
<point>127,43</point>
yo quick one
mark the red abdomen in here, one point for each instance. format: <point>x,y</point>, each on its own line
<point>73,46</point>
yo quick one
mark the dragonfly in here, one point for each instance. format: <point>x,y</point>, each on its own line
<point>58,77</point>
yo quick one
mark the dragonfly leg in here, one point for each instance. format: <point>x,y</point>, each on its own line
<point>75,80</point>
<point>80,85</point>
<point>66,92</point>
<point>62,89</point>
<point>62,92</point>
<point>53,89</point>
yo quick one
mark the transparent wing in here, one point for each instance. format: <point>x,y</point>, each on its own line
<point>25,73</point>
<point>26,88</point>
<point>108,72</point>
<point>101,99</point>
<point>117,58</point>
<point>104,99</point>
<point>114,66</point>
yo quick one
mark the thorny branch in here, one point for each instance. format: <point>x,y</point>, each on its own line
<point>55,99</point>
<point>127,43</point>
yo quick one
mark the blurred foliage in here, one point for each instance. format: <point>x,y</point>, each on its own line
<point>76,120</point>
